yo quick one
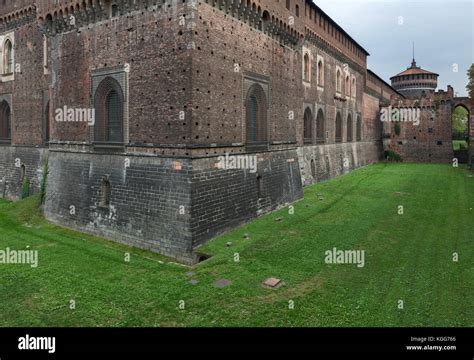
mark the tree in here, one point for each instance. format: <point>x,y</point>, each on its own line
<point>470,85</point>
<point>460,119</point>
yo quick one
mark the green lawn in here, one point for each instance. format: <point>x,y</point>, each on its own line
<point>407,257</point>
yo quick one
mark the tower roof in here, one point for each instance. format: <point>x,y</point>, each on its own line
<point>413,69</point>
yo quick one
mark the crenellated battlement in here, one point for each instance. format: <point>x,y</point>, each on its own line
<point>16,13</point>
<point>12,7</point>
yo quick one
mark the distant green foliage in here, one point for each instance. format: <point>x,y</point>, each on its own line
<point>470,85</point>
<point>460,115</point>
<point>25,188</point>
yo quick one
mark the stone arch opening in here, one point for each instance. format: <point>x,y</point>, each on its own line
<point>5,122</point>
<point>7,57</point>
<point>338,128</point>
<point>105,191</point>
<point>22,172</point>
<point>256,115</point>
<point>313,169</point>
<point>308,126</point>
<point>320,128</point>
<point>259,186</point>
<point>349,128</point>
<point>46,123</point>
<point>460,122</point>
<point>108,103</point>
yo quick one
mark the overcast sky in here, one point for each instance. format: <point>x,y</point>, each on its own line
<point>441,29</point>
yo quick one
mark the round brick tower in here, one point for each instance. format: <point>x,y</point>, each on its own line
<point>415,81</point>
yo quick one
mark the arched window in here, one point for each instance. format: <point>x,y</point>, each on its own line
<point>348,86</point>
<point>22,172</point>
<point>308,126</point>
<point>259,186</point>
<point>359,129</point>
<point>108,102</point>
<point>288,4</point>
<point>320,73</point>
<point>105,190</point>
<point>46,123</point>
<point>306,68</point>
<point>266,20</point>
<point>338,128</point>
<point>297,10</point>
<point>256,115</point>
<point>320,128</point>
<point>349,128</point>
<point>5,122</point>
<point>338,81</point>
<point>353,91</point>
<point>8,57</point>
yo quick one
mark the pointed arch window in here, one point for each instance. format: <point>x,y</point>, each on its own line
<point>8,57</point>
<point>306,67</point>
<point>308,126</point>
<point>256,115</point>
<point>105,191</point>
<point>320,128</point>
<point>109,103</point>
<point>338,128</point>
<point>5,122</point>
<point>338,81</point>
<point>320,73</point>
<point>348,86</point>
<point>349,128</point>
